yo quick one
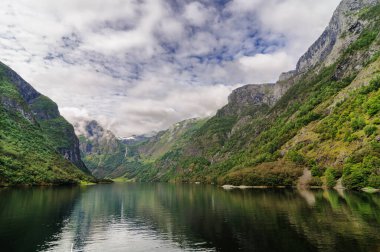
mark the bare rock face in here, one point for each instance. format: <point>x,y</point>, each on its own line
<point>247,97</point>
<point>343,28</point>
<point>98,139</point>
<point>287,75</point>
<point>253,95</point>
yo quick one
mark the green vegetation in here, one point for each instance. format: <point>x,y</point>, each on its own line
<point>365,40</point>
<point>331,176</point>
<point>28,152</point>
<point>362,173</point>
<point>370,34</point>
<point>370,130</point>
<point>44,108</point>
<point>267,174</point>
<point>28,157</point>
<point>8,91</point>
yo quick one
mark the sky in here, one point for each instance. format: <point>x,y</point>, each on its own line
<point>138,66</point>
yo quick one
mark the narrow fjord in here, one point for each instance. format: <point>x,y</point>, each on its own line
<point>155,141</point>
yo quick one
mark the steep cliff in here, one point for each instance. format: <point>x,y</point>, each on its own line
<point>246,99</point>
<point>38,146</point>
<point>344,28</point>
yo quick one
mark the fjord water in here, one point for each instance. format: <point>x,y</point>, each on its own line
<point>165,217</point>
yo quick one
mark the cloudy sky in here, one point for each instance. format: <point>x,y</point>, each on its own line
<point>140,65</point>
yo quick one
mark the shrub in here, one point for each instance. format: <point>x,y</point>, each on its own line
<point>280,173</point>
<point>374,181</point>
<point>316,181</point>
<point>349,137</point>
<point>295,157</point>
<point>357,123</point>
<point>373,86</point>
<point>366,38</point>
<point>317,171</point>
<point>373,105</point>
<point>354,177</point>
<point>331,175</point>
<point>371,163</point>
<point>370,130</point>
<point>361,173</point>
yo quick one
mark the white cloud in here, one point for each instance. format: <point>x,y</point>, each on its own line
<point>299,21</point>
<point>196,13</point>
<point>264,66</point>
<point>138,66</point>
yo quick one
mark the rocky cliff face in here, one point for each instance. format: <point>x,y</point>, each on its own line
<point>245,99</point>
<point>343,29</point>
<point>43,111</point>
<point>98,140</point>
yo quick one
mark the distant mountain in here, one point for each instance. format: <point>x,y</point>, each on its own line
<point>110,157</point>
<point>135,139</point>
<point>102,152</point>
<point>37,145</point>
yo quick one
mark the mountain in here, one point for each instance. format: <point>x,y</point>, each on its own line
<point>319,121</point>
<point>135,139</point>
<point>102,152</point>
<point>108,156</point>
<point>322,117</point>
<point>37,145</point>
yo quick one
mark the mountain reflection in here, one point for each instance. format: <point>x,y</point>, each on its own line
<point>165,217</point>
<point>32,217</point>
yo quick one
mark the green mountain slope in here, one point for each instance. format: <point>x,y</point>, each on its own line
<point>323,116</point>
<point>37,145</point>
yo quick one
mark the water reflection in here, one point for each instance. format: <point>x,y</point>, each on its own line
<point>30,218</point>
<point>164,217</point>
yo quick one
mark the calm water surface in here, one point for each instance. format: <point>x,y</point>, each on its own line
<point>164,217</point>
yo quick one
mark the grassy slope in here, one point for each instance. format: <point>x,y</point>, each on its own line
<point>142,162</point>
